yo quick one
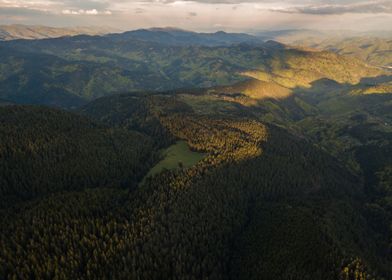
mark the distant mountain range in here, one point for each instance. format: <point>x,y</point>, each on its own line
<point>179,37</point>
<point>167,36</point>
<point>18,31</point>
<point>373,47</point>
<point>375,51</point>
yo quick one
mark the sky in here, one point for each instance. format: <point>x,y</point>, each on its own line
<point>203,15</point>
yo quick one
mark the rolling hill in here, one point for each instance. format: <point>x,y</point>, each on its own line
<point>70,71</point>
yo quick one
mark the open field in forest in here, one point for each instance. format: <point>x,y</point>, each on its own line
<point>175,154</point>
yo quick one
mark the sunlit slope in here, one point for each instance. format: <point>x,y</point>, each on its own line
<point>298,68</point>
<point>257,89</point>
<point>292,70</point>
<point>375,51</point>
<point>382,88</point>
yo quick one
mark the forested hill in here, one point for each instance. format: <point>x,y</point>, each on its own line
<point>257,188</point>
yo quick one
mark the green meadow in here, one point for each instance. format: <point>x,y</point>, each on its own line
<point>176,154</point>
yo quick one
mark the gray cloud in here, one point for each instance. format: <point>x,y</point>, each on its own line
<point>139,11</point>
<point>57,6</point>
<point>368,7</point>
<point>200,14</point>
<point>86,4</point>
<point>20,12</point>
<point>229,2</point>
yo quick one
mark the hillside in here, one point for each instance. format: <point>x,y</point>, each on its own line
<point>59,82</point>
<point>256,89</point>
<point>292,71</point>
<point>298,68</point>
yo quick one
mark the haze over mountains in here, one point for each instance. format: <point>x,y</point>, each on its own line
<point>19,31</point>
<point>372,47</point>
<point>169,154</point>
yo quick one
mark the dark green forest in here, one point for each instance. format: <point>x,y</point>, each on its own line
<point>263,204</point>
<point>45,151</point>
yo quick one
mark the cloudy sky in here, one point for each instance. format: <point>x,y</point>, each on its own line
<point>202,15</point>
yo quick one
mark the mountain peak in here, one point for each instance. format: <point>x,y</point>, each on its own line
<point>274,44</point>
<point>168,29</point>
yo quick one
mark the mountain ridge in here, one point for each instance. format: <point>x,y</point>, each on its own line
<point>32,32</point>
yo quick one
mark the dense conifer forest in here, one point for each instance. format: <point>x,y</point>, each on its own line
<point>262,202</point>
<point>46,151</point>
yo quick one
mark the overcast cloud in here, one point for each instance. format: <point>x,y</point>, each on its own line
<point>233,15</point>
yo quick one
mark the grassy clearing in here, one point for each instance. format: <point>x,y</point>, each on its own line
<point>175,154</point>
